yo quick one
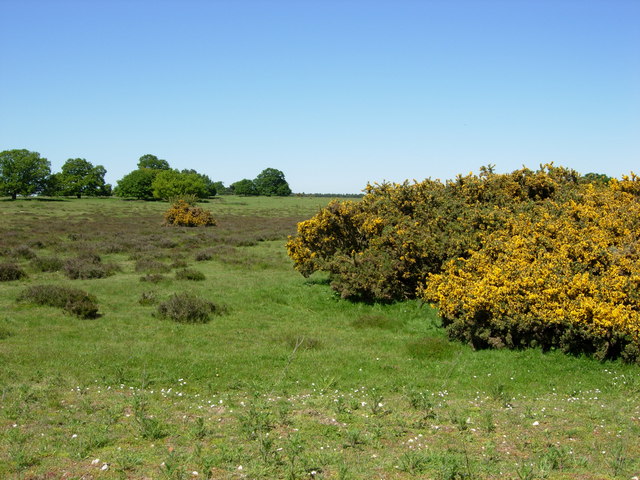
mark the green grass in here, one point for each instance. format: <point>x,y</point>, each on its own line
<point>289,380</point>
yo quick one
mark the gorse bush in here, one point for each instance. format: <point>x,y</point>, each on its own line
<point>184,214</point>
<point>532,258</point>
<point>563,275</point>
<point>72,300</point>
<point>10,272</point>
<point>382,247</point>
<point>187,308</point>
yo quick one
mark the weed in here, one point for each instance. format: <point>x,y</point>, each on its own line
<point>413,462</point>
<point>148,298</point>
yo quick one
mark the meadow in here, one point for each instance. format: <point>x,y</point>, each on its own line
<point>285,380</point>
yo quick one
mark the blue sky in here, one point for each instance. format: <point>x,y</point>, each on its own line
<point>333,93</point>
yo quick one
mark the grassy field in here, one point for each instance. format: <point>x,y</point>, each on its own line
<point>289,381</point>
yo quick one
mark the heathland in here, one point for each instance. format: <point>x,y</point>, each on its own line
<point>275,375</point>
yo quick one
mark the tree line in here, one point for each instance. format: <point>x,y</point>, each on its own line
<point>26,173</point>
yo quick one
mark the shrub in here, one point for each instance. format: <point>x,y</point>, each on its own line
<point>563,275</point>
<point>87,266</point>
<point>187,308</point>
<point>74,301</point>
<point>148,298</point>
<point>381,248</point>
<point>23,251</point>
<point>190,274</point>
<point>152,278</point>
<point>10,272</point>
<point>184,214</point>
<point>204,255</point>
<point>47,264</point>
<point>151,265</point>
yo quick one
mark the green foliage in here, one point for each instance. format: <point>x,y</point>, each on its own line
<point>210,186</point>
<point>152,162</point>
<point>74,301</point>
<point>79,177</point>
<point>187,308</point>
<point>272,182</point>
<point>244,187</point>
<point>10,272</point>
<point>183,214</point>
<point>382,247</point>
<point>47,264</point>
<point>137,184</point>
<point>87,267</point>
<point>190,274</point>
<point>172,183</point>
<point>23,173</point>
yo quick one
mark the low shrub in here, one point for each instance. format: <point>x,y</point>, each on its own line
<point>87,266</point>
<point>204,255</point>
<point>187,308</point>
<point>184,214</point>
<point>190,274</point>
<point>148,298</point>
<point>72,300</point>
<point>23,251</point>
<point>152,266</point>
<point>10,272</point>
<point>47,264</point>
<point>152,278</point>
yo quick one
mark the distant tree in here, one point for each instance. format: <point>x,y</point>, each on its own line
<point>153,162</point>
<point>595,178</point>
<point>272,182</point>
<point>244,187</point>
<point>137,184</point>
<point>209,184</point>
<point>221,189</point>
<point>172,183</point>
<point>79,177</point>
<point>23,173</point>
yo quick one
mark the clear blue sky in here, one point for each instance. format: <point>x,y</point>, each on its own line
<point>333,93</point>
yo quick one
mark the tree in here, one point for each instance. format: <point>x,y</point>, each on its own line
<point>79,177</point>
<point>137,184</point>
<point>209,184</point>
<point>221,189</point>
<point>244,187</point>
<point>172,183</point>
<point>153,162</point>
<point>23,173</point>
<point>272,182</point>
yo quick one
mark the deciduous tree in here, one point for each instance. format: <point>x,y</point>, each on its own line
<point>23,172</point>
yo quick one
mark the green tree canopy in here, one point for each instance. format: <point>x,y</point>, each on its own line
<point>172,183</point>
<point>272,182</point>
<point>244,187</point>
<point>209,184</point>
<point>79,177</point>
<point>137,184</point>
<point>23,173</point>
<point>153,162</point>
